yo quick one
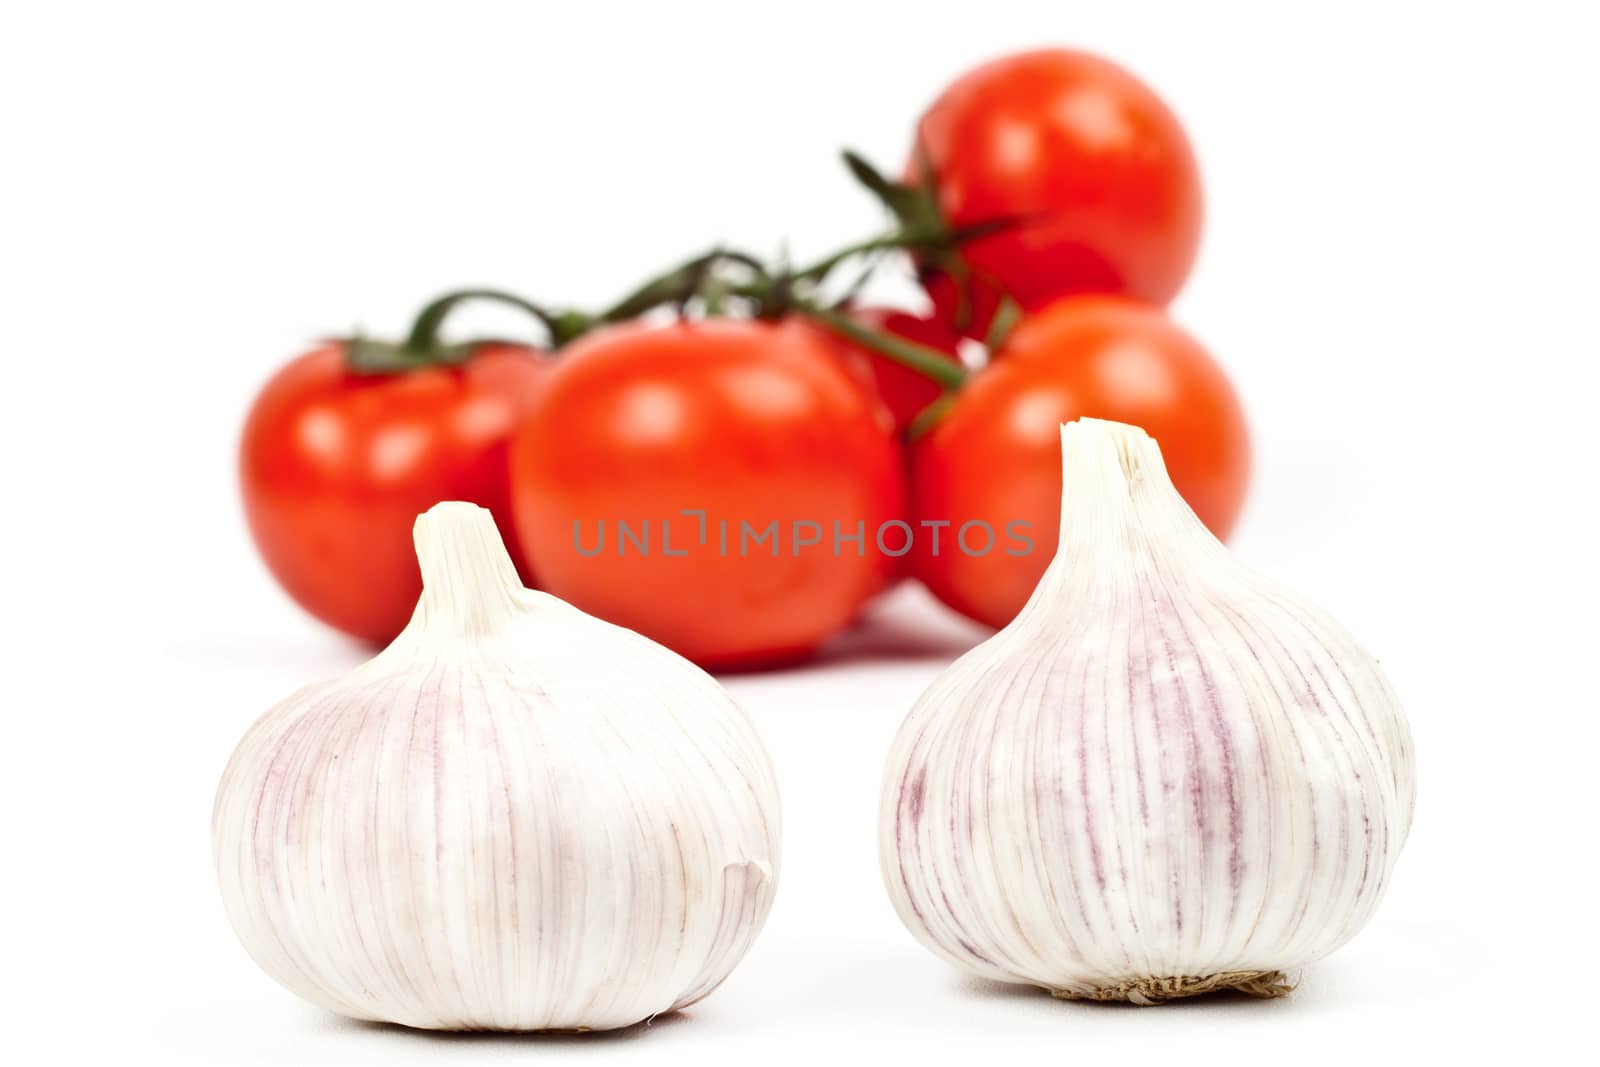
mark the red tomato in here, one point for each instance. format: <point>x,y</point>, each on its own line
<point>700,435</point>
<point>1091,165</point>
<point>905,392</point>
<point>996,456</point>
<point>335,467</point>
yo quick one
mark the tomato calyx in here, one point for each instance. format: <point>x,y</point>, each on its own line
<point>925,232</point>
<point>712,279</point>
<point>915,207</point>
<point>724,281</point>
<point>424,347</point>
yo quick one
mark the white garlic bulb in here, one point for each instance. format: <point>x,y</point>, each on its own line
<point>515,817</point>
<point>1166,776</point>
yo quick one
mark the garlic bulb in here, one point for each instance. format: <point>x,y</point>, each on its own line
<point>1166,776</point>
<point>515,817</point>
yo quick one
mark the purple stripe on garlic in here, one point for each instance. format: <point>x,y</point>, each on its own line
<point>515,817</point>
<point>1167,776</point>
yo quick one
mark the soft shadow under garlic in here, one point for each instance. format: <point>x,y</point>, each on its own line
<point>520,1038</point>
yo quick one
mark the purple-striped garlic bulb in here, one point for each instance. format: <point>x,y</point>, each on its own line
<point>1166,776</point>
<point>515,817</point>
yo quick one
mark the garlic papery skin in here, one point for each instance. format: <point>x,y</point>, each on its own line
<point>1166,776</point>
<point>515,817</point>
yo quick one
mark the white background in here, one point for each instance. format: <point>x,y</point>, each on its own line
<point>1398,270</point>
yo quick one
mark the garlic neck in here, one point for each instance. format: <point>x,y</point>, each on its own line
<point>469,584</point>
<point>1120,513</point>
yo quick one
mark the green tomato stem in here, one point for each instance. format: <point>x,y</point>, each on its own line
<point>929,362</point>
<point>423,341</point>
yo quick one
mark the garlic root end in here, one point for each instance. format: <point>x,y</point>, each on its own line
<point>1151,991</point>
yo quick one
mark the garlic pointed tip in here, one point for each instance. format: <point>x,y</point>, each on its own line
<point>449,516</point>
<point>1100,440</point>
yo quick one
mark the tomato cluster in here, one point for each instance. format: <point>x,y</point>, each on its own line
<point>737,480</point>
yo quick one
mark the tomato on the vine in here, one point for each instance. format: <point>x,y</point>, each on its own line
<point>1086,170</point>
<point>336,463</point>
<point>685,480</point>
<point>995,458</point>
